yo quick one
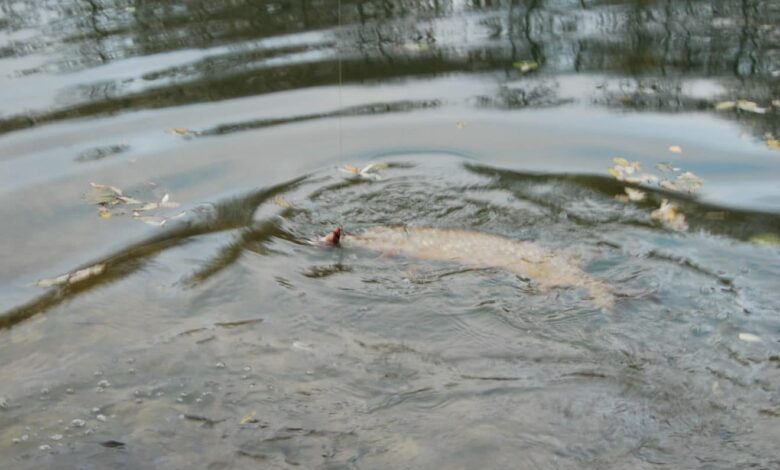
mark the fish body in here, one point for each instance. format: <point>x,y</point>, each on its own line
<point>545,267</point>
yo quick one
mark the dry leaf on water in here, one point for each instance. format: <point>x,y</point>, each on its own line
<point>281,202</point>
<point>250,418</point>
<point>74,277</point>
<point>725,105</point>
<point>667,214</point>
<point>675,149</point>
<point>635,194</point>
<point>525,66</point>
<point>750,107</point>
<point>368,171</point>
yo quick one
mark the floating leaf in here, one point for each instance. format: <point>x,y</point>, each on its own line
<point>53,281</point>
<point>666,184</point>
<point>281,202</point>
<point>149,206</point>
<point>525,66</point>
<point>86,273</point>
<point>369,171</point>
<point>350,169</point>
<point>750,107</point>
<point>100,196</point>
<point>129,200</point>
<point>635,194</point>
<point>675,149</point>
<point>647,178</point>
<point>768,239</point>
<point>620,161</point>
<point>104,212</point>
<point>177,131</point>
<point>250,418</point>
<point>616,173</point>
<point>749,338</point>
<point>688,182</point>
<point>166,203</point>
<point>667,214</point>
<point>725,105</point>
<point>773,144</point>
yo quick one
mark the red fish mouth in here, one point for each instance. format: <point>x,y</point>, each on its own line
<point>333,238</point>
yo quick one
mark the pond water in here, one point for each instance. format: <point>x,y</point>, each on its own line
<point>215,335</point>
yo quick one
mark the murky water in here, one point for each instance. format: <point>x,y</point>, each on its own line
<point>216,336</point>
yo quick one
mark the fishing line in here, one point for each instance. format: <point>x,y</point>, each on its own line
<point>338,52</point>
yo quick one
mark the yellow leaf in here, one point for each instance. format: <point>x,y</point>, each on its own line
<point>104,213</point>
<point>281,202</point>
<point>750,107</point>
<point>525,65</point>
<point>725,105</point>
<point>620,161</point>
<point>350,169</point>
<point>675,149</point>
<point>55,281</point>
<point>617,174</point>
<point>250,418</point>
<point>667,214</point>
<point>86,273</point>
<point>635,194</point>
<point>768,239</point>
<point>773,144</point>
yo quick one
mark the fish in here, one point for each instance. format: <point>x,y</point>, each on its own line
<point>545,267</point>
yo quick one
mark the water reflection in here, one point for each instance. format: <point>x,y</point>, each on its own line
<point>659,50</point>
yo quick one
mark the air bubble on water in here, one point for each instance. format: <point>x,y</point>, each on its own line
<point>104,384</point>
<point>70,391</point>
<point>101,418</point>
<point>220,365</point>
<point>78,423</point>
<point>96,410</point>
<point>56,437</point>
<point>45,447</point>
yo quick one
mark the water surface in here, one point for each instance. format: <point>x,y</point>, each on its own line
<point>223,339</point>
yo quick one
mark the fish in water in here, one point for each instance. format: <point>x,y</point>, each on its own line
<point>545,267</point>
